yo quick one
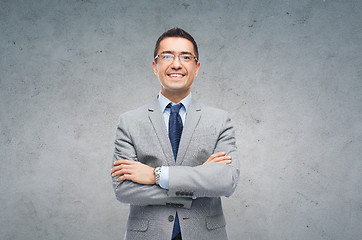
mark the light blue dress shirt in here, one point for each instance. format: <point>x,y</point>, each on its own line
<point>164,176</point>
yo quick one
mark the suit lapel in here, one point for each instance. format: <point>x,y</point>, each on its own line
<point>193,116</point>
<point>158,123</point>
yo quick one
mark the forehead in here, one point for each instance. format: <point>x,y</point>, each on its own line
<point>176,44</point>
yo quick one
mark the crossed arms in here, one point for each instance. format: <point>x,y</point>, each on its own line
<point>134,182</point>
<point>143,174</point>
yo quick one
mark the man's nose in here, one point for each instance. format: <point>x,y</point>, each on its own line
<point>176,63</point>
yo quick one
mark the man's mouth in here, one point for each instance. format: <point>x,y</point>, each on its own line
<point>175,75</point>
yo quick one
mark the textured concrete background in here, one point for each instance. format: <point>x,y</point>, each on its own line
<point>289,72</point>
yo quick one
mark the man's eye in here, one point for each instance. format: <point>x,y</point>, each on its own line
<point>186,57</point>
<point>167,57</point>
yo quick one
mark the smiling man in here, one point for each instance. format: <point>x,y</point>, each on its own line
<point>175,158</point>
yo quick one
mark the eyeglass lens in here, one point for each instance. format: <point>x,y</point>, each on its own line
<point>168,57</point>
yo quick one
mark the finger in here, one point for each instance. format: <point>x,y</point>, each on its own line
<point>121,166</point>
<point>225,161</point>
<point>218,154</point>
<point>124,177</point>
<point>122,161</point>
<point>116,168</point>
<point>121,178</point>
<point>118,173</point>
<point>117,162</point>
<point>214,156</point>
<point>122,172</point>
<point>222,158</point>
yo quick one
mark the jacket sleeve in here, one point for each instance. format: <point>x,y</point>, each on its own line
<point>209,180</point>
<point>134,193</point>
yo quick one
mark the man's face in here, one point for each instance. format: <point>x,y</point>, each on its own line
<point>176,77</point>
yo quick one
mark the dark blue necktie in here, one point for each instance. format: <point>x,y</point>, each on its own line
<point>174,132</point>
<point>175,128</point>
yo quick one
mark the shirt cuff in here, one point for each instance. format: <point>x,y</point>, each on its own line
<point>164,177</point>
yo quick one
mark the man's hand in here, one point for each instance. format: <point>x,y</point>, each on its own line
<point>219,157</point>
<point>135,171</point>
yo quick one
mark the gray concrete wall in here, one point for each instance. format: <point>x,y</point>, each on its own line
<point>289,72</point>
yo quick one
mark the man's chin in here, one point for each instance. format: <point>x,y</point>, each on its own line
<point>176,90</point>
<point>176,85</point>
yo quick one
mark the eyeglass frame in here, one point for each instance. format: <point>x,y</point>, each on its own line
<point>174,55</point>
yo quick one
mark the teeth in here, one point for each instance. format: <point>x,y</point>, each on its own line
<point>175,75</point>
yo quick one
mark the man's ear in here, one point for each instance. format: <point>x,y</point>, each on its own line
<point>197,68</point>
<point>154,65</point>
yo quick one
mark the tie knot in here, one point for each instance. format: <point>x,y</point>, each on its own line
<point>176,108</point>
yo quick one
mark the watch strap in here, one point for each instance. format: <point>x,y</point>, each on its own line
<point>157,172</point>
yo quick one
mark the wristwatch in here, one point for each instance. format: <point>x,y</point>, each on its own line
<point>157,172</point>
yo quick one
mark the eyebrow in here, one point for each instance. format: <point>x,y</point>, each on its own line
<point>172,52</point>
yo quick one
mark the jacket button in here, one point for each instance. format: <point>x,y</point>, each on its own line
<point>170,218</point>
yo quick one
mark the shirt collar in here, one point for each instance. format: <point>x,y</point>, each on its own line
<point>165,101</point>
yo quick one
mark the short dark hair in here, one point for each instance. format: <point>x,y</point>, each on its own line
<point>176,32</point>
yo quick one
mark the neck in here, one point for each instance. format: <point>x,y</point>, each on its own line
<point>175,97</point>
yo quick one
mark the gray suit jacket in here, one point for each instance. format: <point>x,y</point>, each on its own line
<point>194,189</point>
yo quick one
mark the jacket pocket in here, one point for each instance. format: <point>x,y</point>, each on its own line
<point>137,224</point>
<point>214,222</point>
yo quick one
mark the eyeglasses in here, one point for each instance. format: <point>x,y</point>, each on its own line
<point>169,57</point>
